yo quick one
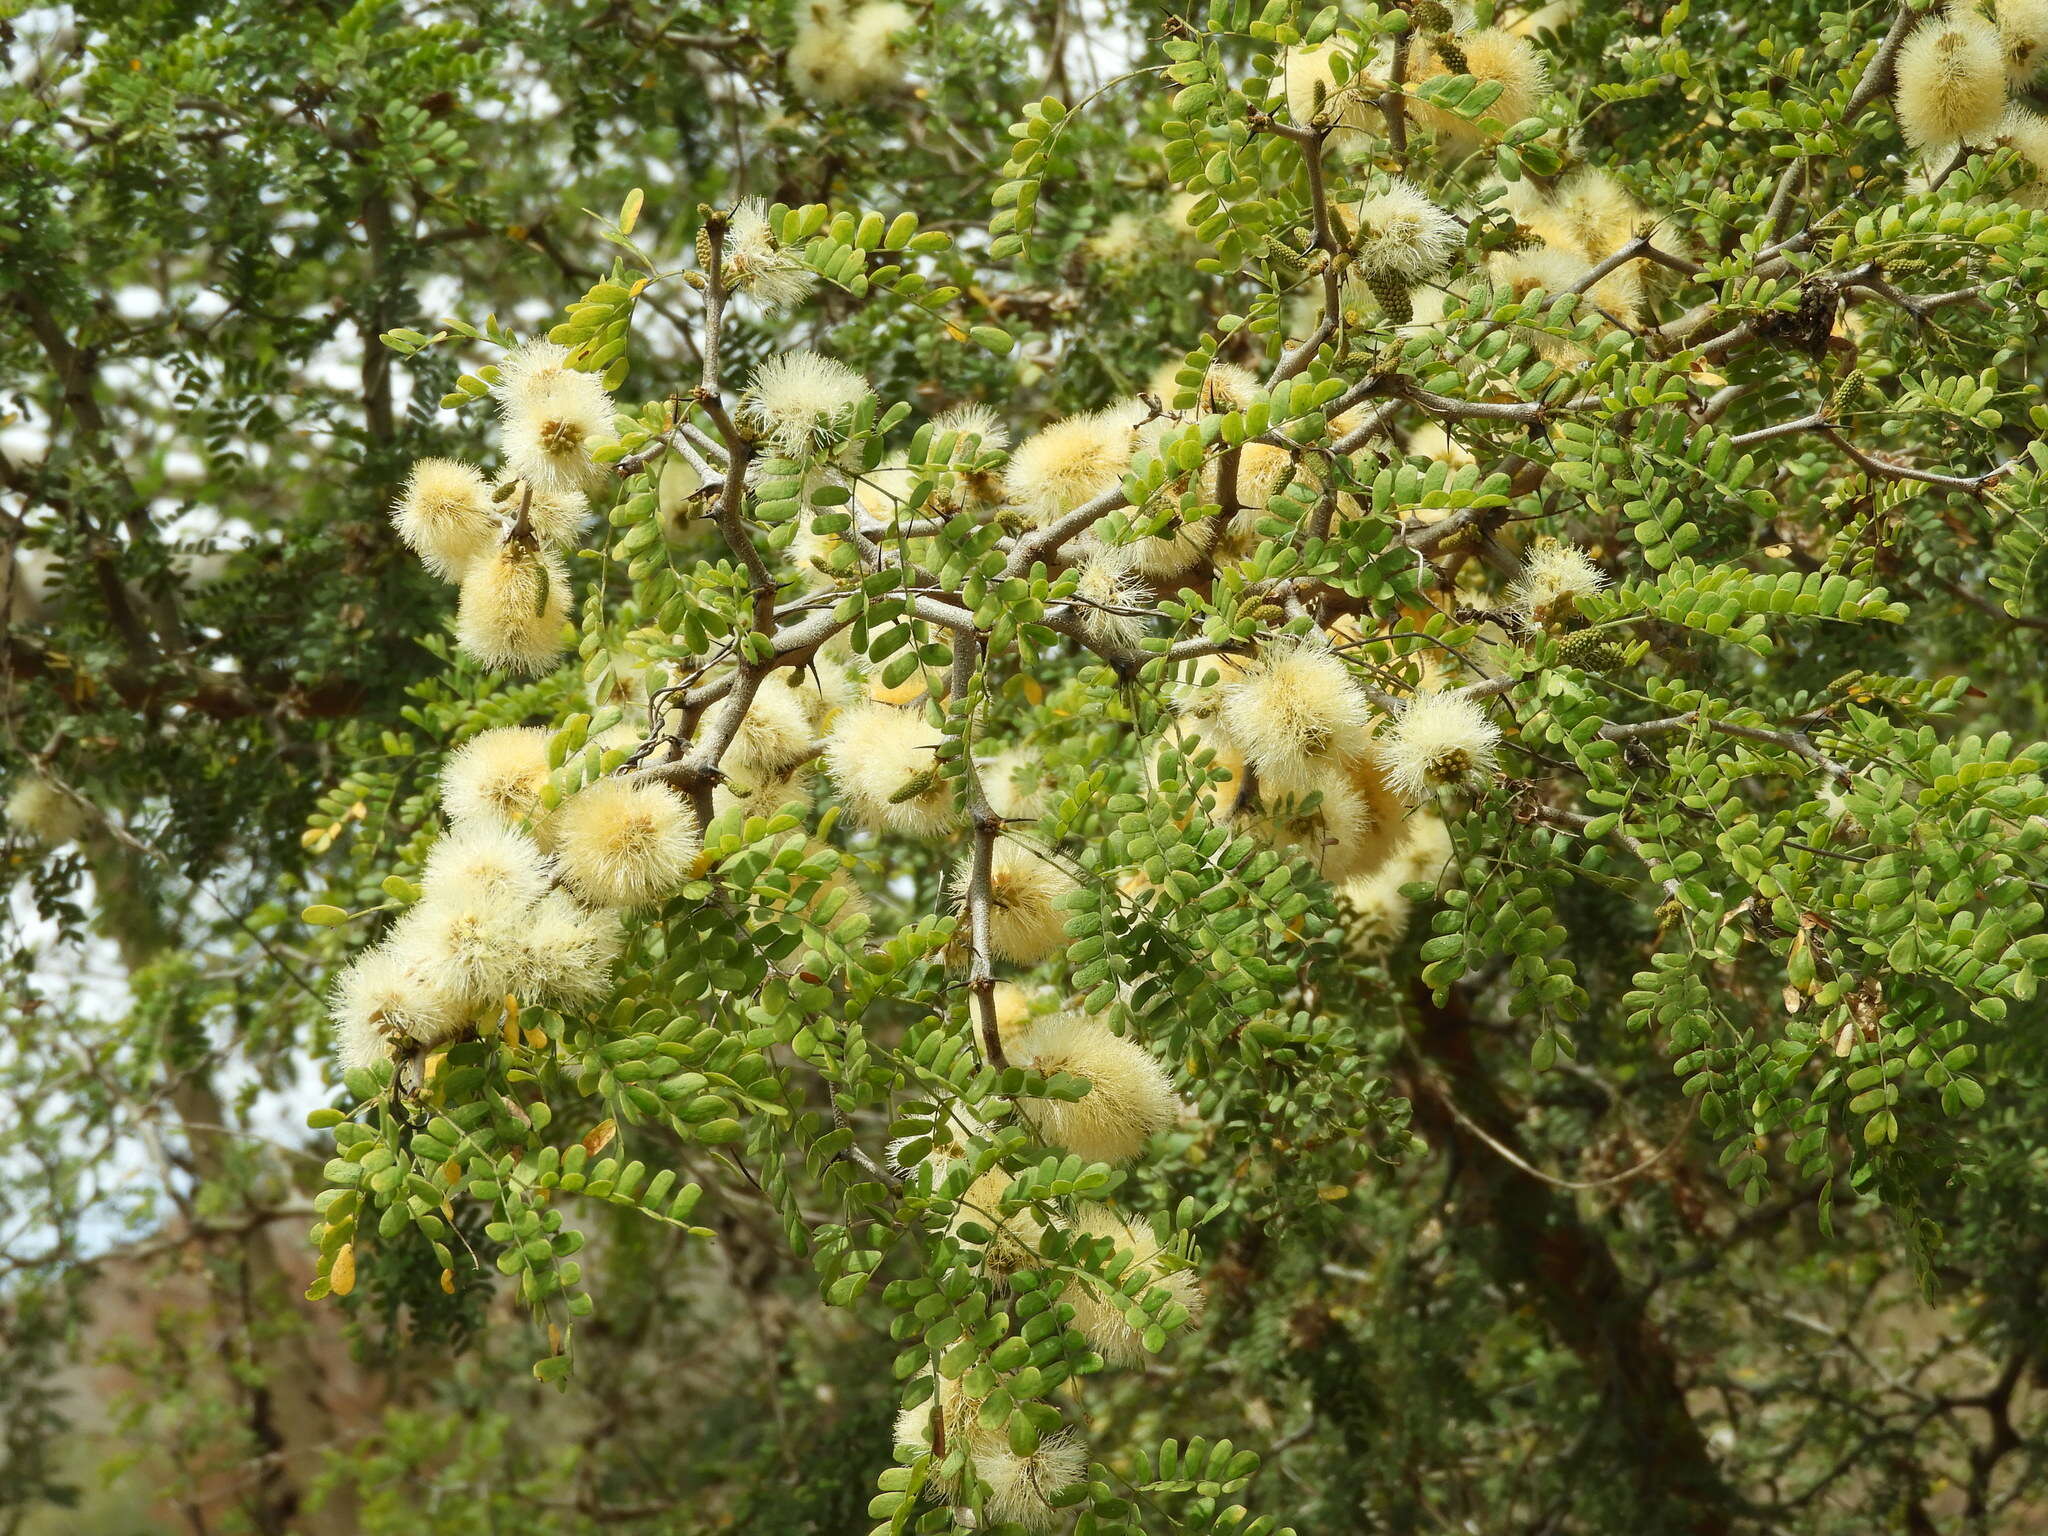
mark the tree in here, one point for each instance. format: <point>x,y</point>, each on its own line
<point>1225,796</point>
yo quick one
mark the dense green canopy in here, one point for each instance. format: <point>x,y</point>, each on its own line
<point>856,767</point>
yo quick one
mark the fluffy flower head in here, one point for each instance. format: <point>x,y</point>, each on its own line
<point>482,860</point>
<point>1020,1488</point>
<point>803,403</point>
<point>1025,921</point>
<point>445,516</point>
<point>1148,1285</point>
<point>42,811</point>
<point>1295,706</point>
<point>1441,740</point>
<point>513,609</point>
<point>1130,1095</point>
<point>624,844</point>
<point>385,1000</point>
<point>761,266</point>
<point>566,952</point>
<point>550,417</point>
<point>1403,235</point>
<point>1950,77</point>
<point>1055,470</point>
<point>496,776</point>
<point>883,761</point>
<point>1554,579</point>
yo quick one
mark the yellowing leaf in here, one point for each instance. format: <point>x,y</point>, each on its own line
<point>600,1136</point>
<point>341,1279</point>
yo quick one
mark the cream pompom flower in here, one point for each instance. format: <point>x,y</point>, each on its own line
<point>1109,600</point>
<point>1102,1308</point>
<point>1294,707</point>
<point>550,416</point>
<point>972,421</point>
<point>385,999</point>
<point>1488,55</point>
<point>466,941</point>
<point>1374,911</point>
<point>1130,1094</point>
<point>1403,235</point>
<point>566,952</point>
<point>840,55</point>
<point>803,403</point>
<point>1025,920</point>
<point>557,517</point>
<point>621,843</point>
<point>883,761</point>
<point>1309,77</point>
<point>759,265</point>
<point>480,860</point>
<point>496,776</point>
<point>445,516</point>
<point>2023,32</point>
<point>775,735</point>
<point>1012,1238</point>
<point>40,810</point>
<point>1950,81</point>
<point>1070,462</point>
<point>952,1133</point>
<point>1324,818</point>
<point>513,609</point>
<point>1439,741</point>
<point>1021,1488</point>
<point>1553,580</point>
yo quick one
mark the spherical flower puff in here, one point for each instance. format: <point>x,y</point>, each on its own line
<point>1025,921</point>
<point>496,776</point>
<point>1295,707</point>
<point>1426,849</point>
<point>1431,441</point>
<point>1588,211</point>
<point>874,35</point>
<point>948,1141</point>
<point>976,422</point>
<point>775,734</point>
<point>1950,81</point>
<point>481,860</point>
<point>761,266</point>
<point>42,811</point>
<point>1322,818</point>
<point>1012,1239</point>
<point>557,517</point>
<point>1120,241</point>
<point>1403,235</point>
<point>384,999</point>
<point>1070,462</point>
<point>1020,1488</point>
<point>622,843</point>
<point>2023,32</point>
<point>1130,1094</point>
<point>445,516</point>
<point>1099,1310</point>
<point>1492,54</point>
<point>1554,579</point>
<point>467,943</point>
<point>1310,77</point>
<point>1555,271</point>
<point>566,952</point>
<point>1015,784</point>
<point>2027,133</point>
<point>1439,741</point>
<point>513,609</point>
<point>1374,911</point>
<point>1104,593</point>
<point>803,403</point>
<point>550,416</point>
<point>959,1413</point>
<point>883,761</point>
